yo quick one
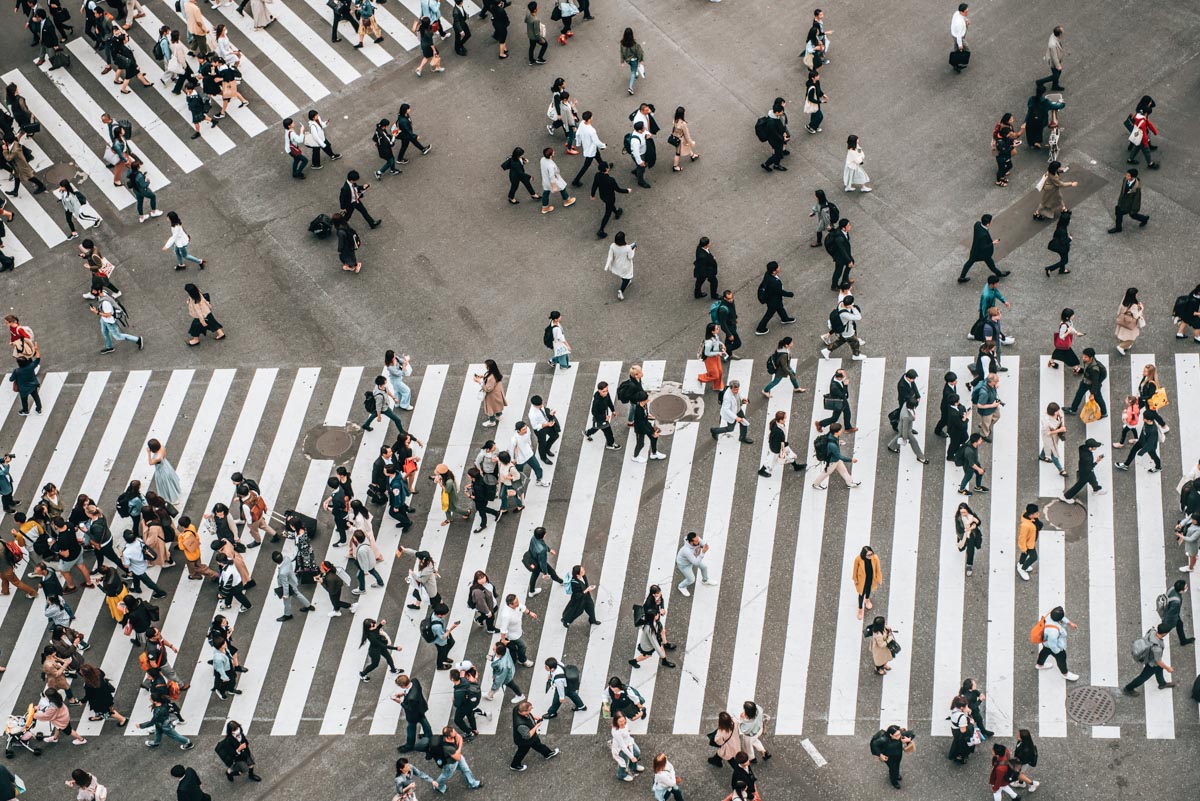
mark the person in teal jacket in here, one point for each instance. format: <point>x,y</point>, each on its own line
<point>26,383</point>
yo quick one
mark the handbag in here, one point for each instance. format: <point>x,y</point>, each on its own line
<point>893,646</point>
<point>641,70</point>
<point>1136,136</point>
<point>1090,412</point>
<point>34,127</point>
<point>110,157</point>
<point>712,738</point>
<point>81,198</point>
<point>833,404</point>
<point>673,140</point>
<point>1158,400</point>
<point>810,107</point>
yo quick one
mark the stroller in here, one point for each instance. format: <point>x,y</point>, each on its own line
<point>18,732</point>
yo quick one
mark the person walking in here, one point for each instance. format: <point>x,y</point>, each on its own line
<point>293,140</point>
<point>462,28</point>
<point>829,451</point>
<point>500,23</point>
<point>423,28</point>
<point>772,294</point>
<point>179,241</point>
<point>837,401</point>
<point>632,56</point>
<point>644,428</point>
<point>161,717</point>
<point>1053,431</point>
<point>1140,128</point>
<point>69,197</point>
<point>689,559</point>
<point>883,645</point>
<point>733,413</point>
<point>602,411</point>
<point>535,30</point>
<point>867,576</point>
<point>967,457</point>
<point>1172,611</point>
<point>712,351</point>
<point>1129,201</point>
<point>985,400</point>
<point>1187,534</point>
<point>780,365</point>
<point>604,184</point>
<point>411,698</point>
<point>286,583</point>
<point>814,97</point>
<point>1148,650</point>
<point>234,751</point>
<point>681,139</point>
<point>1027,537</point>
<point>552,181</point>
<point>775,133</point>
<point>1060,243</point>
<point>1131,319</point>
<point>526,724</point>
<point>1092,378</point>
<point>853,174</point>
<point>982,249</point>
<point>590,145</point>
<point>491,384</point>
<point>25,383</point>
<point>538,565</point>
<point>1037,114</point>
<point>1147,443</point>
<point>1051,201</point>
<point>316,138</point>
<point>620,262</point>
<point>384,142</point>
<point>837,245</point>
<point>517,176</point>
<point>959,23</point>
<point>1085,472</point>
<point>1004,143</point>
<point>843,324</point>
<point>582,598</point>
<point>905,431</point>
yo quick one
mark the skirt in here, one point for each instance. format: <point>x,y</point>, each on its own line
<point>713,373</point>
<point>113,601</point>
<point>166,482</point>
<point>1066,356</point>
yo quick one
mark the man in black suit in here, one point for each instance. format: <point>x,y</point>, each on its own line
<point>771,294</point>
<point>957,425</point>
<point>838,246</point>
<point>982,248</point>
<point>949,390</point>
<point>837,400</point>
<point>705,269</point>
<point>378,490</point>
<point>350,199</point>
<point>606,185</point>
<point>906,389</point>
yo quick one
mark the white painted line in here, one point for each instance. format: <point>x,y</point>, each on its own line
<point>947,645</point>
<point>31,430</point>
<point>702,623</point>
<point>902,582</point>
<point>848,636</point>
<point>1051,573</point>
<point>1152,571</point>
<point>316,44</point>
<point>812,751</point>
<point>1106,732</point>
<point>13,247</point>
<point>1050,390</point>
<point>290,66</point>
<point>139,112</point>
<point>72,433</point>
<point>802,599</point>
<point>65,135</point>
<point>31,212</point>
<point>1102,562</point>
<point>1187,393</point>
<point>374,52</point>
<point>743,675</point>
<point>346,683</point>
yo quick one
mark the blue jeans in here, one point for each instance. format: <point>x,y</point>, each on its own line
<point>403,393</point>
<point>111,332</point>
<point>633,65</point>
<point>546,196</point>
<point>779,377</point>
<point>1053,459</point>
<point>169,732</point>
<point>563,361</point>
<point>388,413</point>
<point>534,465</point>
<point>362,575</point>
<point>556,702</point>
<point>689,574</point>
<point>298,164</point>
<point>449,769</point>
<point>390,164</point>
<point>967,473</point>
<point>182,255</point>
<point>141,197</point>
<point>623,765</point>
<point>1142,148</point>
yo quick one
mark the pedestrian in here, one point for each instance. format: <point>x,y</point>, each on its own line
<point>1060,243</point>
<point>1004,143</point>
<point>602,411</point>
<point>883,645</point>
<point>967,457</point>
<point>666,783</point>
<point>582,600</point>
<point>512,483</point>
<point>681,139</point>
<point>853,175</point>
<point>1025,755</point>
<point>1027,537</point>
<point>189,787</point>
<point>566,13</point>
<point>725,739</point>
<point>1172,610</point>
<point>651,640</point>
<point>334,579</point>
<point>411,698</point>
<point>1129,202</point>
<point>643,428</point>
<point>829,452</point>
<point>500,23</point>
<point>641,150</point>
<point>1131,319</point>
<point>555,339</point>
<point>25,383</point>
<point>837,245</point>
<point>504,672</point>
<point>443,633</point>
<point>535,29</point>
<point>492,386</point>
<point>384,142</point>
<point>775,133</point>
<point>843,324</point>
<point>18,166</point>
<point>733,413</point>
<point>429,52</point>
<point>837,401</point>
<point>1187,534</point>
<point>772,294</point>
<point>69,197</point>
<point>982,249</point>
<point>180,240</point>
<point>538,565</point>
<point>1054,57</point>
<point>379,645</point>
<point>510,624</point>
<point>620,262</point>
<point>624,750</point>
<point>1086,472</point>
<point>867,576</point>
<point>1131,419</point>
<point>293,139</point>
<point>525,724</point>
<point>1064,338</point>
<point>448,755</point>
<point>692,557</point>
<point>959,23</point>
<point>462,28</point>
<point>58,715</point>
<point>234,751</point>
<point>1053,640</point>
<point>779,451</point>
<point>1147,443</point>
<point>1140,129</point>
<point>1053,431</point>
<point>1149,651</point>
<point>517,176</point>
<point>604,184</point>
<point>1092,377</point>
<point>1037,114</point>
<point>1051,200</point>
<point>161,715</point>
<point>743,775</point>
<point>986,403</point>
<point>633,56</point>
<point>905,431</point>
<point>964,733</point>
<point>286,584</point>
<point>552,181</point>
<point>814,98</point>
<point>1002,773</point>
<point>827,217</point>
<point>588,142</point>
<point>780,365</point>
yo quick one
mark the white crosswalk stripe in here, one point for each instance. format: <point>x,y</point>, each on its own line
<point>214,423</point>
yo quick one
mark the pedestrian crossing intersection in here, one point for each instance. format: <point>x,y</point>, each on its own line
<point>287,68</point>
<point>780,624</point>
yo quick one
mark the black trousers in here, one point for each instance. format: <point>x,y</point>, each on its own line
<point>991,265</point>
<point>481,506</point>
<point>610,209</point>
<point>514,182</point>
<point>771,312</point>
<point>37,401</point>
<point>533,579</point>
<point>181,80</point>
<point>601,425</point>
<point>1147,671</point>
<point>400,515</point>
<point>523,748</point>
<point>405,141</point>
<point>460,39</point>
<point>316,153</point>
<point>361,209</point>
<point>1134,215</point>
<point>1061,264</point>
<point>410,735</point>
<point>1060,659</point>
<point>587,162</point>
<point>641,440</point>
<point>584,605</point>
<point>546,437</point>
<point>776,155</point>
<point>374,656</point>
<point>533,43</point>
<point>732,341</point>
<point>1151,451</point>
<point>1051,79</point>
<point>443,651</point>
<point>957,440</point>
<point>843,412</point>
<point>712,287</point>
<point>1082,482</point>
<point>338,18</point>
<point>841,272</point>
<point>464,719</point>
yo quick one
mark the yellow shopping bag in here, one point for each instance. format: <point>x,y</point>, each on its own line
<point>1090,412</point>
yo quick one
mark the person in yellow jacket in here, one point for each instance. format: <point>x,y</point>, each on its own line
<point>1027,537</point>
<point>189,544</point>
<point>867,576</point>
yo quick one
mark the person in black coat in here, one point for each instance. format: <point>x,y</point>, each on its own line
<point>404,129</point>
<point>771,294</point>
<point>838,246</point>
<point>462,29</point>
<point>602,413</point>
<point>982,248</point>
<point>727,319</point>
<point>515,166</point>
<point>234,751</point>
<point>384,142</point>
<point>644,428</point>
<point>906,389</point>
<point>949,390</point>
<point>499,24</point>
<point>606,186</point>
<point>347,243</point>
<point>777,136</point>
<point>1060,243</point>
<point>411,698</point>
<point>350,199</point>
<point>378,647</point>
<point>837,400</point>
<point>189,788</point>
<point>705,269</point>
<point>743,773</point>
<point>340,14</point>
<point>1086,471</point>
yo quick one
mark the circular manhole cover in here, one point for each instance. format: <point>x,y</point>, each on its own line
<point>1091,706</point>
<point>668,408</point>
<point>1065,516</point>
<point>324,442</point>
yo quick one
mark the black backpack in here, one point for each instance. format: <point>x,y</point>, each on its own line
<point>472,695</point>
<point>571,674</point>
<point>123,504</point>
<point>639,615</point>
<point>831,242</point>
<point>772,368</point>
<point>426,628</point>
<point>625,144</point>
<point>836,324</point>
<point>762,291</point>
<point>879,742</point>
<point>960,456</point>
<point>548,336</point>
<point>625,391</point>
<point>821,446</point>
<point>369,402</point>
<point>762,128</point>
<point>834,213</point>
<point>505,165</point>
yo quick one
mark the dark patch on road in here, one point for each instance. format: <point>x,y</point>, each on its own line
<point>469,321</point>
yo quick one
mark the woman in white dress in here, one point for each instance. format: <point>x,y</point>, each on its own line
<point>225,49</point>
<point>620,262</point>
<point>262,16</point>
<point>853,174</point>
<point>166,480</point>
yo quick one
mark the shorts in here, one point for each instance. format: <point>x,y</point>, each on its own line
<point>65,565</point>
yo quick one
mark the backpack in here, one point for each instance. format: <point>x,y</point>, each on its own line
<point>762,128</point>
<point>879,742</point>
<point>831,242</point>
<point>625,391</point>
<point>426,628</point>
<point>567,587</point>
<point>1142,647</point>
<point>1160,604</point>
<point>15,554</point>
<point>1182,307</point>
<point>505,165</point>
<point>762,291</point>
<point>626,142</point>
<point>1037,634</point>
<point>123,505</point>
<point>834,213</point>
<point>836,324</point>
<point>162,50</point>
<point>472,695</point>
<point>821,446</point>
<point>571,674</point>
<point>434,749</point>
<point>977,333</point>
<point>152,610</point>
<point>960,456</point>
<point>1184,492</point>
<point>639,615</point>
<point>772,367</point>
<point>548,336</point>
<point>712,311</point>
<point>369,402</point>
<point>173,690</point>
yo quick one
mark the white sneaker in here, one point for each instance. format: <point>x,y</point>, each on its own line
<point>1033,787</point>
<point>866,189</point>
<point>336,613</point>
<point>862,357</point>
<point>1022,573</point>
<point>537,591</point>
<point>1071,676</point>
<point>639,459</point>
<point>516,699</point>
<point>684,592</point>
<point>629,777</point>
<point>1043,666</point>
<point>848,188</point>
<point>710,583</point>
<point>543,483</point>
<point>824,353</point>
<point>820,486</point>
<point>1123,352</point>
<point>854,485</point>
<point>1100,491</point>
<point>356,591</point>
<point>1065,499</point>
<point>156,212</point>
<point>620,295</point>
<point>1009,340</point>
<point>656,455</point>
<point>1185,569</point>
<point>528,663</point>
<point>353,608</point>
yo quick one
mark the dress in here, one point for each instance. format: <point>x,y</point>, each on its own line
<point>306,562</point>
<point>262,14</point>
<point>1051,202</point>
<point>853,173</point>
<point>166,481</point>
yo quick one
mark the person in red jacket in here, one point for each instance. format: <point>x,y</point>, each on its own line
<point>1002,773</point>
<point>1140,142</point>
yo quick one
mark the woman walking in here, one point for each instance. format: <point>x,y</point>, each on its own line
<point>1004,142</point>
<point>395,369</point>
<point>867,577</point>
<point>1037,114</point>
<point>140,186</point>
<point>725,739</point>
<point>853,174</point>
<point>25,383</point>
<point>712,351</point>
<point>261,14</point>
<point>482,491</point>
<point>512,485</point>
<point>379,646</point>
<point>18,165</point>
<point>504,673</point>
<point>99,693</point>
<point>500,23</point>
<point>1064,340</point>
<point>1131,319</point>
<point>1025,755</point>
<point>165,480</point>
<point>882,643</point>
<point>1060,243</point>
<point>962,731</point>
<point>778,451</point>
<point>975,698</point>
<point>179,240</point>
<point>582,600</point>
<point>234,751</point>
<point>334,579</point>
<point>620,262</point>
<point>483,597</point>
<point>385,141</point>
<point>650,641</point>
<point>1002,773</point>
<point>317,140</point>
<point>1053,432</point>
<point>552,181</point>
<point>517,176</point>
<point>88,787</point>
<point>1051,201</point>
<point>558,339</point>
<point>682,139</point>
<point>750,726</point>
<point>567,11</point>
<point>58,714</point>
<point>1131,419</point>
<point>293,139</point>
<point>624,750</point>
<point>633,56</point>
<point>813,98</point>
<point>491,384</point>
<point>422,577</point>
<point>970,535</point>
<point>72,201</point>
<point>199,306</point>
<point>444,478</point>
<point>429,53</point>
<point>347,243</point>
<point>826,215</point>
<point>363,559</point>
<point>666,783</point>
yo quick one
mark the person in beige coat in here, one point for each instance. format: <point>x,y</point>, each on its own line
<point>881,635</point>
<point>687,145</point>
<point>867,575</point>
<point>1131,319</point>
<point>199,306</point>
<point>726,739</point>
<point>491,383</point>
<point>1051,200</point>
<point>198,27</point>
<point>18,165</point>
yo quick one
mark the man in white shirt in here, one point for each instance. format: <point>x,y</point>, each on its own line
<point>106,309</point>
<point>733,413</point>
<point>522,452</point>
<point>589,142</point>
<point>637,151</point>
<point>958,29</point>
<point>690,559</point>
<point>545,427</point>
<point>509,622</point>
<point>849,315</point>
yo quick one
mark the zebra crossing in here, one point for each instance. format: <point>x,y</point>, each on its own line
<point>286,68</point>
<point>779,626</point>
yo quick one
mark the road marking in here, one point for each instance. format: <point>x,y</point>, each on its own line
<point>812,751</point>
<point>1187,391</point>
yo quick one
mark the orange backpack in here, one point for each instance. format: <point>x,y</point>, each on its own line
<point>1038,632</point>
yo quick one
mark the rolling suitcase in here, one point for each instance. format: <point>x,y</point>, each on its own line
<point>321,226</point>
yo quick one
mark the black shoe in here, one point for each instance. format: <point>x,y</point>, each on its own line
<point>375,224</point>
<point>159,594</point>
<point>962,279</point>
<point>283,618</point>
<point>1005,273</point>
